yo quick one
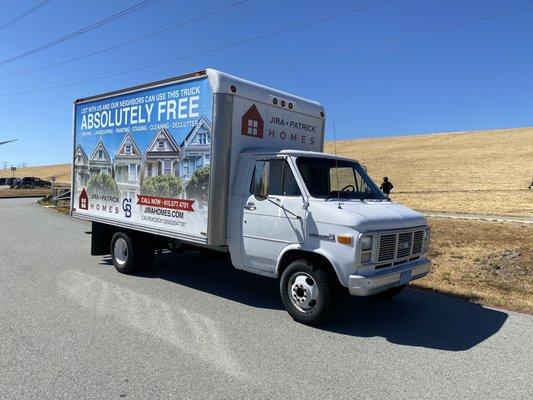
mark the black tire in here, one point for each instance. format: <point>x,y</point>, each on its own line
<point>318,288</point>
<point>127,257</point>
<point>390,293</point>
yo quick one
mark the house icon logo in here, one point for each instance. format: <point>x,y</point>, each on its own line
<point>83,200</point>
<point>252,123</point>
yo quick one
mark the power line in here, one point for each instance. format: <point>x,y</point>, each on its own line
<point>427,31</point>
<point>24,14</point>
<point>211,50</point>
<point>98,24</point>
<point>131,41</point>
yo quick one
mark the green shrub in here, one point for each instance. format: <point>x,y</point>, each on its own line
<point>164,186</point>
<point>198,186</point>
<point>103,184</point>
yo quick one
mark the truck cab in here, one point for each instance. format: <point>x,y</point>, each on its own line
<point>313,219</point>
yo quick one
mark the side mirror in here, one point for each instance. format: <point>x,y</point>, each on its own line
<point>261,176</point>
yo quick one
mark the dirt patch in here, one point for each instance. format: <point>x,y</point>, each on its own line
<point>487,262</point>
<point>62,206</point>
<point>13,193</point>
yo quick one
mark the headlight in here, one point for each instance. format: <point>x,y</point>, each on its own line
<point>426,239</point>
<point>366,257</point>
<point>366,243</point>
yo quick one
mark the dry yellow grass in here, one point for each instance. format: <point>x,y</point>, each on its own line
<point>485,172</point>
<point>487,262</point>
<point>60,171</point>
<point>10,193</point>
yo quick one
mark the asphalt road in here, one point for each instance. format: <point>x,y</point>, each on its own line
<point>72,327</point>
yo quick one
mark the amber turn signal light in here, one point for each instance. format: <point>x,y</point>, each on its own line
<point>344,239</point>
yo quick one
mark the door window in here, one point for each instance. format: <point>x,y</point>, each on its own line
<point>277,176</point>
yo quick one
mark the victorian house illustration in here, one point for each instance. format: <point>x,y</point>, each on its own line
<point>81,167</point>
<point>127,167</point>
<point>100,161</point>
<point>195,150</point>
<point>162,155</point>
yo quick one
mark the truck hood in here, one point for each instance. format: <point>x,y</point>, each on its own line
<point>365,215</point>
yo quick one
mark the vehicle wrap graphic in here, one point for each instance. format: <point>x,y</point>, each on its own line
<point>143,157</point>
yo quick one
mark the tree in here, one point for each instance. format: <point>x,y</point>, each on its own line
<point>103,184</point>
<point>163,186</point>
<point>198,186</point>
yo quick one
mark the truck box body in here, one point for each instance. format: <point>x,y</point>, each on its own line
<point>137,151</point>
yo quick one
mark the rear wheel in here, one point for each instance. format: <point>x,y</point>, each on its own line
<point>129,253</point>
<point>305,292</point>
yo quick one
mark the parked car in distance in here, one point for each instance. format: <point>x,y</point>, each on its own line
<point>3,181</point>
<point>10,182</point>
<point>31,182</point>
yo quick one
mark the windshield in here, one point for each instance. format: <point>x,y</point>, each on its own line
<point>326,178</point>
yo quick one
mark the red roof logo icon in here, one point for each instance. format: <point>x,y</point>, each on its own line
<point>252,123</point>
<point>83,200</point>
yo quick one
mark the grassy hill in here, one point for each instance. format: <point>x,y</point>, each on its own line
<point>484,172</point>
<point>60,171</point>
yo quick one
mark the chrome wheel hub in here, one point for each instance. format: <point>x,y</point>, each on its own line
<point>303,292</point>
<point>121,251</point>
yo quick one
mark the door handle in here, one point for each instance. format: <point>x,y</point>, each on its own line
<point>250,206</point>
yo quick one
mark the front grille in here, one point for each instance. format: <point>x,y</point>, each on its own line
<point>393,246</point>
<point>387,247</point>
<point>405,240</point>
<point>418,241</point>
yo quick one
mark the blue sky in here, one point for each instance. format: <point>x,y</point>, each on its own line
<point>477,76</point>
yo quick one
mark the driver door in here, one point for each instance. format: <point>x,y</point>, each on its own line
<point>272,221</point>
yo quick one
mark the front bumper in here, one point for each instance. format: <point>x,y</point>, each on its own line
<point>388,278</point>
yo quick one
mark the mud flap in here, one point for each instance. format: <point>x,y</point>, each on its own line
<point>100,239</point>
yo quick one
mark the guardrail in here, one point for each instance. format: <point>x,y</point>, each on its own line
<point>60,193</point>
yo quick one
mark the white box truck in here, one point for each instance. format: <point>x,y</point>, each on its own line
<point>211,161</point>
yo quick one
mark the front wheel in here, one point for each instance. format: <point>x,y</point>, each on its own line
<point>305,292</point>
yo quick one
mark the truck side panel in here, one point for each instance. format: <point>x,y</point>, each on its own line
<point>142,159</point>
